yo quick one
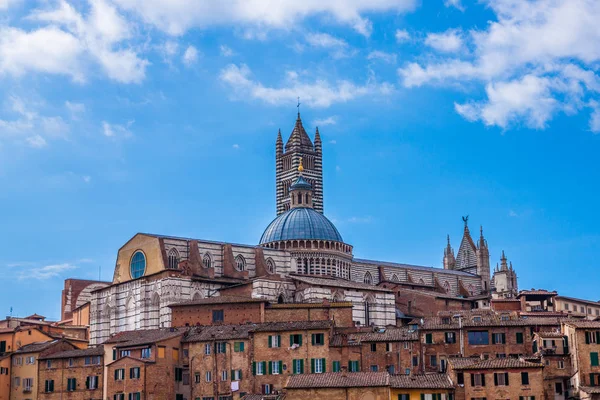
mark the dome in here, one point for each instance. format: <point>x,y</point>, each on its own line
<point>300,223</point>
<point>301,183</point>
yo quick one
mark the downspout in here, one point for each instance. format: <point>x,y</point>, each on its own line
<point>145,388</point>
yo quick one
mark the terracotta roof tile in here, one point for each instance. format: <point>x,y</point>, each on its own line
<point>583,324</point>
<point>36,347</point>
<point>144,336</point>
<point>590,389</point>
<point>92,351</point>
<point>427,381</point>
<point>219,332</point>
<point>293,326</point>
<point>338,380</point>
<point>496,363</point>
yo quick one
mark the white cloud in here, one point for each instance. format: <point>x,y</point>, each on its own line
<point>326,121</point>
<point>360,220</point>
<point>338,47</point>
<point>595,117</point>
<point>168,50</point>
<point>36,141</point>
<point>538,58</point>
<point>46,272</point>
<point>402,35</point>
<point>455,3</point>
<point>116,131</point>
<point>29,126</point>
<point>87,178</point>
<point>324,40</point>
<point>512,213</point>
<point>389,58</point>
<point>177,16</point>
<point>226,51</point>
<point>75,108</point>
<point>236,146</point>
<point>67,43</point>
<point>319,93</point>
<point>448,42</point>
<point>4,4</point>
<point>190,56</point>
<point>333,141</point>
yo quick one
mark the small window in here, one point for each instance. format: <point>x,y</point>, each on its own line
<point>240,263</point>
<point>270,266</point>
<point>218,316</point>
<point>71,362</point>
<point>388,347</point>
<point>207,348</point>
<point>220,347</point>
<point>415,361</point>
<point>178,374</point>
<point>501,379</point>
<point>368,279</point>
<point>206,261</point>
<point>146,353</point>
<point>295,340</point>
<point>374,368</point>
<point>524,378</point>
<point>48,364</point>
<point>238,347</point>
<point>173,259</point>
<point>91,382</point>
<point>429,338</point>
<point>318,339</point>
<point>373,347</point>
<point>353,366</point>
<point>519,337</point>
<point>119,374</point>
<point>561,364</point>
<point>49,386</point>
<point>477,318</point>
<point>450,337</point>
<point>433,360</point>
<point>274,341</point>
<point>125,353</point>
<point>71,384</point>
<point>134,373</point>
<point>223,375</point>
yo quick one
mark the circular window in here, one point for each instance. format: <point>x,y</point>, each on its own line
<point>138,265</point>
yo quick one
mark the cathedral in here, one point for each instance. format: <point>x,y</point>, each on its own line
<point>300,257</point>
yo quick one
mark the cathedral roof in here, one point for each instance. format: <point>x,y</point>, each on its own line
<point>300,223</point>
<point>467,252</point>
<point>299,138</point>
<point>301,183</point>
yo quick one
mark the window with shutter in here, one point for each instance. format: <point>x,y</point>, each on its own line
<point>594,359</point>
<point>524,378</point>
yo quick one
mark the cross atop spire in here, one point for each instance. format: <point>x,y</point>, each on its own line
<point>298,106</point>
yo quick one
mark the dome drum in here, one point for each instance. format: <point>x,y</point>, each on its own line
<point>302,224</point>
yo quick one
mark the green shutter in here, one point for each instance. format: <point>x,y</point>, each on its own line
<point>270,341</point>
<point>236,346</point>
<point>493,338</point>
<point>294,370</point>
<point>519,337</point>
<point>587,338</point>
<point>594,359</point>
<point>242,345</point>
<point>598,337</point>
<point>302,366</point>
<point>280,367</point>
<point>253,367</point>
<point>422,396</point>
<point>114,354</point>
<point>87,382</point>
<point>300,340</point>
<point>336,366</point>
<point>116,373</point>
<point>506,378</point>
<point>592,380</point>
<point>240,377</point>
<point>291,340</point>
<point>271,367</point>
<point>312,338</point>
<point>312,365</point>
<point>324,363</point>
<point>264,366</point>
<point>278,340</point>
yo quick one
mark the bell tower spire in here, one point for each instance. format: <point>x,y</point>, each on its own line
<point>299,146</point>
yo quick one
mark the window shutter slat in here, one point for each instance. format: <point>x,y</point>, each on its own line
<point>270,341</point>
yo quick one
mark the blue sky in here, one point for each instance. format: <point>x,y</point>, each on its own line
<point>125,116</point>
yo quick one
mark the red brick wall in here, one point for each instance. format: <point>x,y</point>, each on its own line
<point>235,313</point>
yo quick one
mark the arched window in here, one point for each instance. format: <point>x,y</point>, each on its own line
<point>155,311</point>
<point>306,196</point>
<point>240,263</point>
<point>270,266</point>
<point>173,259</point>
<point>280,299</point>
<point>299,198</point>
<point>130,315</point>
<point>394,278</point>
<point>137,267</point>
<point>206,261</point>
<point>368,279</point>
<point>447,286</point>
<point>197,296</point>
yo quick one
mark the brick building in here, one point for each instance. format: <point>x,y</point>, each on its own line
<point>418,387</point>
<point>478,333</point>
<point>25,367</point>
<point>552,348</point>
<point>73,374</point>
<point>584,344</point>
<point>501,378</point>
<point>146,364</point>
<point>339,386</point>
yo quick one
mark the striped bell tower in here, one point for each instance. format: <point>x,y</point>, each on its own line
<point>299,148</point>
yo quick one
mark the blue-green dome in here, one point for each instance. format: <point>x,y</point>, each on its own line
<point>301,183</point>
<point>300,223</point>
